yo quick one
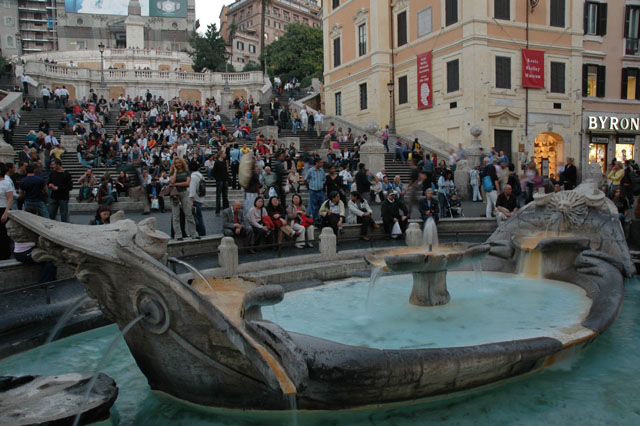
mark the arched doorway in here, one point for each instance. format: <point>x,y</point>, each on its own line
<point>548,152</point>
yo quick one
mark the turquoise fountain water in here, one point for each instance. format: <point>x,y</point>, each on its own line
<point>598,387</point>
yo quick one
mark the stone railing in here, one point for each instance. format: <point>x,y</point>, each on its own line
<point>141,52</point>
<point>40,69</point>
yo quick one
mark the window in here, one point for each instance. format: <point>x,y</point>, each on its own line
<point>557,13</point>
<point>403,90</point>
<point>250,23</point>
<point>267,23</point>
<point>501,9</point>
<point>8,21</point>
<point>558,77</point>
<point>363,96</point>
<point>336,52</point>
<point>593,80</point>
<point>10,41</point>
<point>630,83</point>
<point>338,103</point>
<point>402,28</point>
<point>425,21</point>
<point>451,12</point>
<point>595,18</point>
<point>335,5</point>
<point>252,48</point>
<point>503,72</point>
<point>7,4</point>
<point>453,77</point>
<point>362,39</point>
<point>239,45</point>
<point>631,30</point>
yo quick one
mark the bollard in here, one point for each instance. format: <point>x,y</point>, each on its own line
<point>328,242</point>
<point>228,256</point>
<point>414,235</point>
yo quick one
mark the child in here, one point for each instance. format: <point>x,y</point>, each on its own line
<point>455,206</point>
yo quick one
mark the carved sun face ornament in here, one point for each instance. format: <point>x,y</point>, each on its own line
<point>569,206</point>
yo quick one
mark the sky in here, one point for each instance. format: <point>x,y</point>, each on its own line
<point>208,11</point>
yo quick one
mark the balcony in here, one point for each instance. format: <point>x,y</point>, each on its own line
<point>632,47</point>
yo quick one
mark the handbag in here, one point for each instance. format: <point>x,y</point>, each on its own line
<point>155,204</point>
<point>396,231</point>
<point>487,184</point>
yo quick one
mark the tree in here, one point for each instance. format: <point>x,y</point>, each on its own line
<point>207,50</point>
<point>297,53</point>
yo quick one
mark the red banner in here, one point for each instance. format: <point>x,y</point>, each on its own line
<point>425,92</point>
<point>533,68</point>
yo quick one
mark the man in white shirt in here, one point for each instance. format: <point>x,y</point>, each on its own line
<point>46,95</point>
<point>318,118</point>
<point>196,200</point>
<point>58,97</point>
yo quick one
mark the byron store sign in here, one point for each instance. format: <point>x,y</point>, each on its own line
<point>613,124</point>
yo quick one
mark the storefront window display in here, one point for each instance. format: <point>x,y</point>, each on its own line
<point>546,151</point>
<point>624,148</point>
<point>598,151</point>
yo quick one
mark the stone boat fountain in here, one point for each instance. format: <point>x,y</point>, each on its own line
<point>207,341</point>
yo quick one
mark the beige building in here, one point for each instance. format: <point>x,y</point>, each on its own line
<point>473,77</point>
<point>611,85</point>
<point>240,25</point>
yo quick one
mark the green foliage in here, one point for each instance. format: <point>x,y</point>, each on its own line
<point>297,53</point>
<point>4,65</point>
<point>208,50</point>
<point>252,66</point>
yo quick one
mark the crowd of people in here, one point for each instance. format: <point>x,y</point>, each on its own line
<point>160,148</point>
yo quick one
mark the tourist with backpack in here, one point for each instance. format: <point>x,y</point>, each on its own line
<point>197,192</point>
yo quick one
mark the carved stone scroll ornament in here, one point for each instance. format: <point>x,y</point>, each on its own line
<point>568,206</point>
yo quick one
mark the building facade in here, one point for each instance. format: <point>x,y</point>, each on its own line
<point>243,18</point>
<point>611,86</point>
<point>441,67</point>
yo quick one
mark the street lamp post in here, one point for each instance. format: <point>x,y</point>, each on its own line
<point>18,60</point>
<point>102,83</point>
<point>226,72</point>
<point>392,124</point>
<point>265,64</point>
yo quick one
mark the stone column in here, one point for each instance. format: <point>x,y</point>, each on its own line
<point>372,154</point>
<point>228,256</point>
<point>328,244</point>
<point>414,235</point>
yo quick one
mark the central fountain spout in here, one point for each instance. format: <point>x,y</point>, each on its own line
<point>429,268</point>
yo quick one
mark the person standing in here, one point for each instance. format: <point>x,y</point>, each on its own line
<point>46,95</point>
<point>60,184</point>
<point>197,200</point>
<point>280,174</point>
<point>491,188</point>
<point>570,175</point>
<point>315,178</point>
<point>221,175</point>
<point>6,200</point>
<point>385,138</point>
<point>318,118</point>
<point>33,187</point>
<point>234,156</point>
<point>181,180</point>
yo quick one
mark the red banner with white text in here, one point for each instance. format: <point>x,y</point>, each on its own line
<point>425,92</point>
<point>533,68</point>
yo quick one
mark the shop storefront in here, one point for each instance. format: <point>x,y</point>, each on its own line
<point>611,138</point>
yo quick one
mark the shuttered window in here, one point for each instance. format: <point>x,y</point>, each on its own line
<point>403,90</point>
<point>451,12</point>
<point>503,72</point>
<point>558,77</point>
<point>363,96</point>
<point>593,80</point>
<point>453,76</point>
<point>501,9</point>
<point>336,52</point>
<point>630,83</point>
<point>595,18</point>
<point>557,13</point>
<point>402,28</point>
<point>339,103</point>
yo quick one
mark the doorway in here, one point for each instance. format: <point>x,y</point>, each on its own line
<point>502,141</point>
<point>548,151</point>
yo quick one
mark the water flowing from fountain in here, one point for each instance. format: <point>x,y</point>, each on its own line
<point>430,235</point>
<point>193,270</point>
<point>376,273</point>
<point>293,406</point>
<point>61,323</point>
<point>477,272</point>
<point>275,313</point>
<point>101,364</point>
